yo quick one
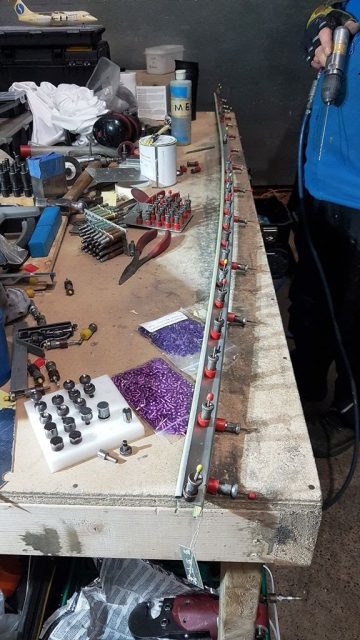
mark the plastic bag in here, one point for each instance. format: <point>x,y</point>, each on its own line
<point>9,622</point>
<point>179,336</point>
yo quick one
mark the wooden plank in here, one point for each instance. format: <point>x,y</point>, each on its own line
<point>239,597</point>
<point>150,529</point>
<point>272,456</point>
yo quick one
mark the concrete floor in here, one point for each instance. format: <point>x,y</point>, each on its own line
<point>331,585</point>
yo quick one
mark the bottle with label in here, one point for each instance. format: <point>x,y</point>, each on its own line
<point>180,97</point>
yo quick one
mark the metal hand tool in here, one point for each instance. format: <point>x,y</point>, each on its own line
<point>137,261</point>
<point>334,74</point>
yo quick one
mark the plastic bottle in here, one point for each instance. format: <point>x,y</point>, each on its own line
<point>180,96</point>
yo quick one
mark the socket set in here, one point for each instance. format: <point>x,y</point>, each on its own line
<point>74,423</point>
<point>168,211</point>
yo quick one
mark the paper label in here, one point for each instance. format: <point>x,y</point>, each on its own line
<point>191,566</point>
<point>164,321</point>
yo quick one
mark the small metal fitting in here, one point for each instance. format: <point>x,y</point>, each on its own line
<point>69,424</point>
<point>85,379</point>
<point>105,455</point>
<point>80,403</point>
<point>36,397</point>
<point>226,489</point>
<point>74,394</point>
<point>50,430</point>
<point>86,415</point>
<point>57,443</point>
<point>103,410</point>
<point>63,410</point>
<point>75,437</point>
<point>69,385</point>
<point>57,400</point>
<point>41,406</point>
<point>127,414</point>
<point>194,481</point>
<point>125,449</point>
<point>45,418</point>
<point>89,389</point>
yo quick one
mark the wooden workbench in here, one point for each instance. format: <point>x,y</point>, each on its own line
<point>129,509</point>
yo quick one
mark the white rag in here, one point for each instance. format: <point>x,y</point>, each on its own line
<point>56,109</point>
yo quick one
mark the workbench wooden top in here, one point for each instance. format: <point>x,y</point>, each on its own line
<point>129,509</point>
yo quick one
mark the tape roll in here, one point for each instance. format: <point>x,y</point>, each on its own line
<point>72,170</point>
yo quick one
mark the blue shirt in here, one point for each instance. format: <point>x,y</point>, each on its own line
<point>335,175</point>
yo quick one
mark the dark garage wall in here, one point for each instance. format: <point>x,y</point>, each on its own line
<point>251,46</point>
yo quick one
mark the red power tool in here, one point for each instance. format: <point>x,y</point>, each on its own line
<point>187,616</point>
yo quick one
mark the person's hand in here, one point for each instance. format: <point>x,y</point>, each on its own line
<point>326,39</point>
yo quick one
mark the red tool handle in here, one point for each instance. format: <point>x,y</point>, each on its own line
<point>147,237</point>
<point>161,246</point>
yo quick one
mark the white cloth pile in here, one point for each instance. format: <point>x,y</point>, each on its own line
<point>55,109</point>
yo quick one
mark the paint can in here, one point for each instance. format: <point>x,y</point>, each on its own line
<point>158,160</point>
<point>5,368</point>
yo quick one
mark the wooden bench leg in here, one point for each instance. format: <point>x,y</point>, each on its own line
<point>239,597</point>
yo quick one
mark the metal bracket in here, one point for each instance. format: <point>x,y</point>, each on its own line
<point>198,444</point>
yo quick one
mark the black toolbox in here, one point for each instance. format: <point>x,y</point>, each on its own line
<point>62,55</point>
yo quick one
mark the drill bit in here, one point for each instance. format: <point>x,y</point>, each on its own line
<point>323,131</point>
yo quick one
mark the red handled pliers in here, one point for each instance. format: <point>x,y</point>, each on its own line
<point>137,261</point>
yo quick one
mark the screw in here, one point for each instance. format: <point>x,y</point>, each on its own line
<point>125,449</point>
<point>50,430</point>
<point>75,437</point>
<point>57,443</point>
<point>57,400</point>
<point>85,379</point>
<point>89,389</point>
<point>105,455</point>
<point>86,415</point>
<point>127,414</point>
<point>69,424</point>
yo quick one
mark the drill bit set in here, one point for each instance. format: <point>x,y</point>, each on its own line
<point>161,211</point>
<point>15,178</point>
<point>101,234</point>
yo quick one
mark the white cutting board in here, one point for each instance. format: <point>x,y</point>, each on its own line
<point>99,434</point>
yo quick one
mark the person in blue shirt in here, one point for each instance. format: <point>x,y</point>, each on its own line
<point>332,181</point>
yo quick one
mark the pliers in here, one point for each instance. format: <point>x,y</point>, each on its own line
<point>137,261</point>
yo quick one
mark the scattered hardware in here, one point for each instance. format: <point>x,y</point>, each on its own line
<point>69,287</point>
<point>82,433</point>
<point>15,178</point>
<point>105,455</point>
<point>53,372</point>
<point>103,410</point>
<point>101,234</point>
<point>127,414</point>
<point>125,449</point>
<point>162,210</point>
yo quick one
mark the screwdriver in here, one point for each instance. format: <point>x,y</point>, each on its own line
<point>334,74</point>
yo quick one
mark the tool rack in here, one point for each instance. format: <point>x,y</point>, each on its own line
<point>130,509</point>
